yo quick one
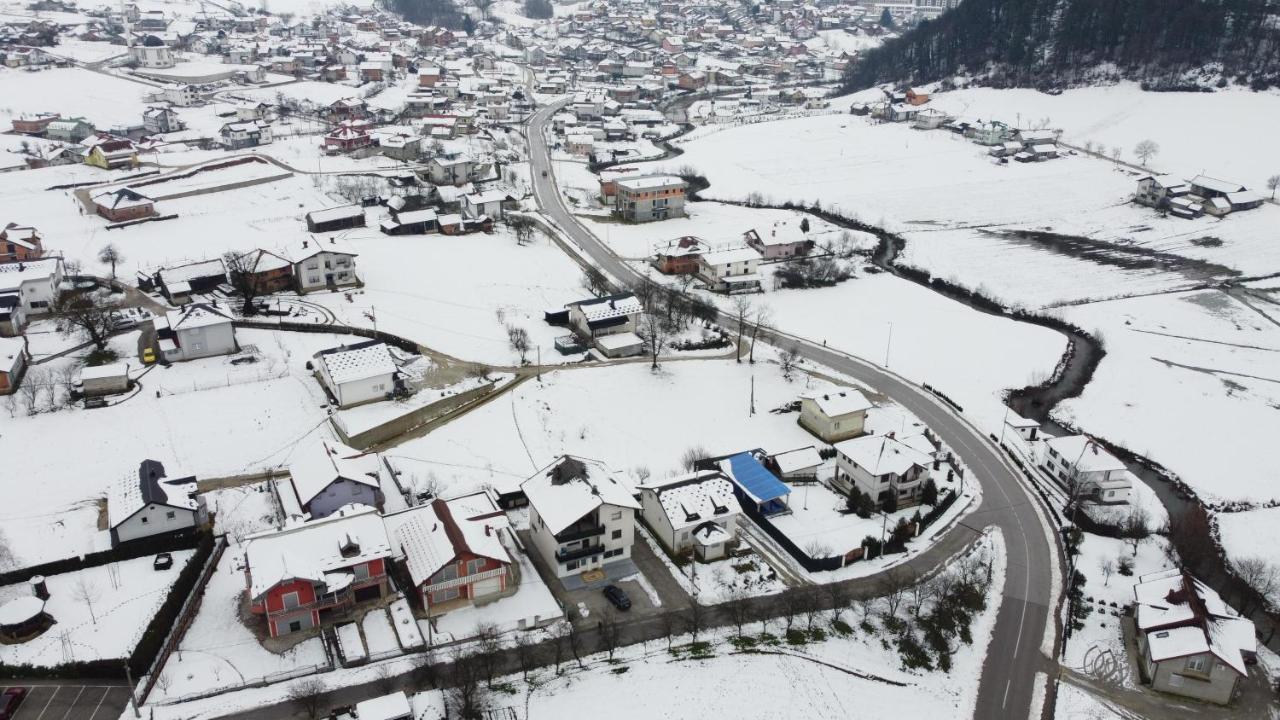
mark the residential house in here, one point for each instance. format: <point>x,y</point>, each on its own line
<point>1205,187</point>
<point>309,574</point>
<point>28,288</point>
<point>195,331</point>
<point>649,197</point>
<point>112,154</point>
<point>757,489</point>
<point>20,242</point>
<point>785,239</point>
<point>347,137</point>
<point>180,282</point>
<point>245,134</point>
<point>123,204</point>
<point>799,465</point>
<point>387,707</point>
<point>680,256</point>
<point>69,130</point>
<point>13,361</point>
<point>151,53</point>
<point>695,512</point>
<point>581,516</point>
<point>1189,641</point>
<point>412,222</point>
<point>36,124</point>
<point>892,472</point>
<point>490,203</point>
<point>455,551</point>
<point>834,415</point>
<point>357,374</point>
<point>267,272</point>
<point>1082,465</point>
<point>325,476</point>
<point>318,265</point>
<point>731,271</point>
<point>608,323</point>
<point>148,505</point>
<point>158,120</point>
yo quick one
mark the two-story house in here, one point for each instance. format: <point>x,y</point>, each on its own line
<point>890,471</point>
<point>696,511</point>
<point>28,288</point>
<point>608,323</point>
<point>1087,469</point>
<point>359,373</point>
<point>195,331</point>
<point>1189,641</point>
<point>327,265</point>
<point>649,197</point>
<point>736,270</point>
<point>455,551</point>
<point>20,242</point>
<point>785,239</point>
<point>326,476</point>
<point>834,415</point>
<point>679,256</point>
<point>156,120</point>
<point>581,515</point>
<point>310,574</point>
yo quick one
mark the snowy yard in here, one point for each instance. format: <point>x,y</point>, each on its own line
<point>103,100</point>
<point>100,613</point>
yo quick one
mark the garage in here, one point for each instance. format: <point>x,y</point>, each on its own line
<point>485,588</point>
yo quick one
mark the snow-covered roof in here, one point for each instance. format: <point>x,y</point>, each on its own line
<point>256,261</point>
<point>314,551</point>
<point>20,610</point>
<point>320,464</point>
<point>341,212</point>
<point>881,454</point>
<point>101,372</point>
<point>694,498</point>
<point>1085,454</point>
<point>1216,185</point>
<point>431,536</point>
<point>572,487</point>
<point>798,459</point>
<point>416,216</point>
<point>650,182</point>
<point>312,247</point>
<point>388,707</point>
<point>734,255</point>
<point>12,351</point>
<point>196,315</point>
<point>680,247</point>
<point>1182,616</point>
<point>618,341</point>
<point>13,274</point>
<point>608,307</point>
<point>350,363</point>
<point>192,271</point>
<point>839,403</point>
<point>129,494</point>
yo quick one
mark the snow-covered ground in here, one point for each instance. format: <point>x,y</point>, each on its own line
<point>103,100</point>
<point>1251,534</point>
<point>100,613</point>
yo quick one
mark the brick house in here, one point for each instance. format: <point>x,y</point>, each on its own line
<point>347,137</point>
<point>269,273</point>
<point>37,124</point>
<point>19,243</point>
<point>311,574</point>
<point>123,204</point>
<point>679,256</point>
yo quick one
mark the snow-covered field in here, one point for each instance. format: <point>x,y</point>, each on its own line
<point>121,600</point>
<point>1209,391</point>
<point>101,99</point>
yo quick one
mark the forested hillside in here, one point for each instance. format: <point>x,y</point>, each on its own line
<point>427,12</point>
<point>1166,44</point>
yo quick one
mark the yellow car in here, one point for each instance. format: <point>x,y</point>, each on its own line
<point>148,355</point>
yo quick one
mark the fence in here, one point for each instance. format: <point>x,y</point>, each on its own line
<point>125,551</point>
<point>410,420</point>
<point>198,386</point>
<point>388,338</point>
<point>257,682</point>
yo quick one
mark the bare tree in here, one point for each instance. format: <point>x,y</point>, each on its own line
<point>670,625</point>
<point>518,337</point>
<point>691,456</point>
<point>694,617</point>
<point>6,553</point>
<point>737,607</point>
<point>384,679</point>
<point>764,315</point>
<point>1145,150</point>
<point>575,644</point>
<point>110,255</point>
<point>788,359</point>
<point>465,695</point>
<point>610,633</point>
<point>523,228</point>
<point>837,599</point>
<point>32,384</point>
<point>1115,153</point>
<point>892,587</point>
<point>654,333</point>
<point>741,309</point>
<point>788,606</point>
<point>526,654</point>
<point>1108,568</point>
<point>244,279</point>
<point>810,607</point>
<point>308,695</point>
<point>11,405</point>
<point>1137,526</point>
<point>1273,182</point>
<point>488,649</point>
<point>595,282</point>
<point>87,314</point>
<point>1261,576</point>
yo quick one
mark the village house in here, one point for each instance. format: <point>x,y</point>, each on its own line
<point>112,154</point>
<point>490,203</point>
<point>798,465</point>
<point>244,134</point>
<point>343,217</point>
<point>20,242</point>
<point>1189,641</point>
<point>27,289</point>
<point>607,323</point>
<point>311,574</point>
<point>330,265</point>
<point>581,517</point>
<point>649,197</point>
<point>695,512</point>
<point>13,361</point>
<point>193,332</point>
<point>157,120</point>
<point>785,239</point>
<point>834,415</point>
<point>180,283</point>
<point>1167,192</point>
<point>146,505</point>
<point>1087,469</point>
<point>455,551</point>
<point>732,271</point>
<point>325,476</point>
<point>69,130</point>
<point>36,124</point>
<point>412,222</point>
<point>267,272</point>
<point>680,256</point>
<point>890,471</point>
<point>151,53</point>
<point>357,374</point>
<point>123,205</point>
<point>347,137</point>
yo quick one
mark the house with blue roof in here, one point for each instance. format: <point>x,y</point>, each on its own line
<point>754,485</point>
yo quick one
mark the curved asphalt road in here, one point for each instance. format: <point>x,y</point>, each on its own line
<point>1014,657</point>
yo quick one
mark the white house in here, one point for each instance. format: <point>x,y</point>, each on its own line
<point>326,476</point>
<point>152,52</point>
<point>581,515</point>
<point>834,415</point>
<point>195,331</point>
<point>490,203</point>
<point>608,323</point>
<point>146,505</point>
<point>890,471</point>
<point>27,288</point>
<point>696,510</point>
<point>1080,462</point>
<point>358,373</point>
<point>317,265</point>
<point>731,271</point>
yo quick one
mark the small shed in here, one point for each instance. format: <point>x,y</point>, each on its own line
<point>104,379</point>
<point>755,486</point>
<point>337,218</point>
<point>23,618</point>
<point>388,707</point>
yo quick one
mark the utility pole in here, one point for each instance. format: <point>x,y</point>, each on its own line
<point>539,370</point>
<point>753,395</point>
<point>887,344</point>
<point>133,697</point>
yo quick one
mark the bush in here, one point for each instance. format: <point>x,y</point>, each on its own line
<point>891,504</point>
<point>1125,566</point>
<point>796,636</point>
<point>914,656</point>
<point>867,627</point>
<point>841,627</point>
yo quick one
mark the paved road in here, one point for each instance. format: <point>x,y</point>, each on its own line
<point>1014,657</point>
<point>50,701</point>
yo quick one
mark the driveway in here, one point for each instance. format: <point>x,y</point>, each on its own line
<point>72,702</point>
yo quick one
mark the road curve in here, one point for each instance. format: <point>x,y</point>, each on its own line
<point>1014,656</point>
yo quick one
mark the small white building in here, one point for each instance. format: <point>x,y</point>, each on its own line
<point>581,515</point>
<point>697,510</point>
<point>834,415</point>
<point>355,374</point>
<point>890,471</point>
<point>146,505</point>
<point>152,53</point>
<point>490,203</point>
<point>731,271</point>
<point>388,707</point>
<point>1080,463</point>
<point>317,265</point>
<point>195,331</point>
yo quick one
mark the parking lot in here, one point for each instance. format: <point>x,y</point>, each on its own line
<point>72,702</point>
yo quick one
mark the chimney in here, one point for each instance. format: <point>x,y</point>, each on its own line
<point>488,531</point>
<point>38,587</point>
<point>331,241</point>
<point>304,243</point>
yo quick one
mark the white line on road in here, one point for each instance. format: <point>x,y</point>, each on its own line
<point>100,701</point>
<point>56,688</point>
<point>72,706</point>
<point>1006,692</point>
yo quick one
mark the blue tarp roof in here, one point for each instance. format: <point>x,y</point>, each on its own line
<point>755,479</point>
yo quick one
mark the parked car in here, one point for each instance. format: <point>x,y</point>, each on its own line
<point>10,701</point>
<point>129,318</point>
<point>163,561</point>
<point>617,597</point>
<point>148,355</point>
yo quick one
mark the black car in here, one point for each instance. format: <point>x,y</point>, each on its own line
<point>617,597</point>
<point>163,561</point>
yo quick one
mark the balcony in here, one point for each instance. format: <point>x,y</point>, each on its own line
<point>579,532</point>
<point>570,555</point>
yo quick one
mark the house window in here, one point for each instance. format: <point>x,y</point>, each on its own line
<point>362,572</point>
<point>473,566</point>
<point>617,515</point>
<point>295,625</point>
<point>445,595</point>
<point>1199,664</point>
<point>144,519</point>
<point>616,534</point>
<point>169,515</point>
<point>290,600</point>
<point>571,565</point>
<point>613,553</point>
